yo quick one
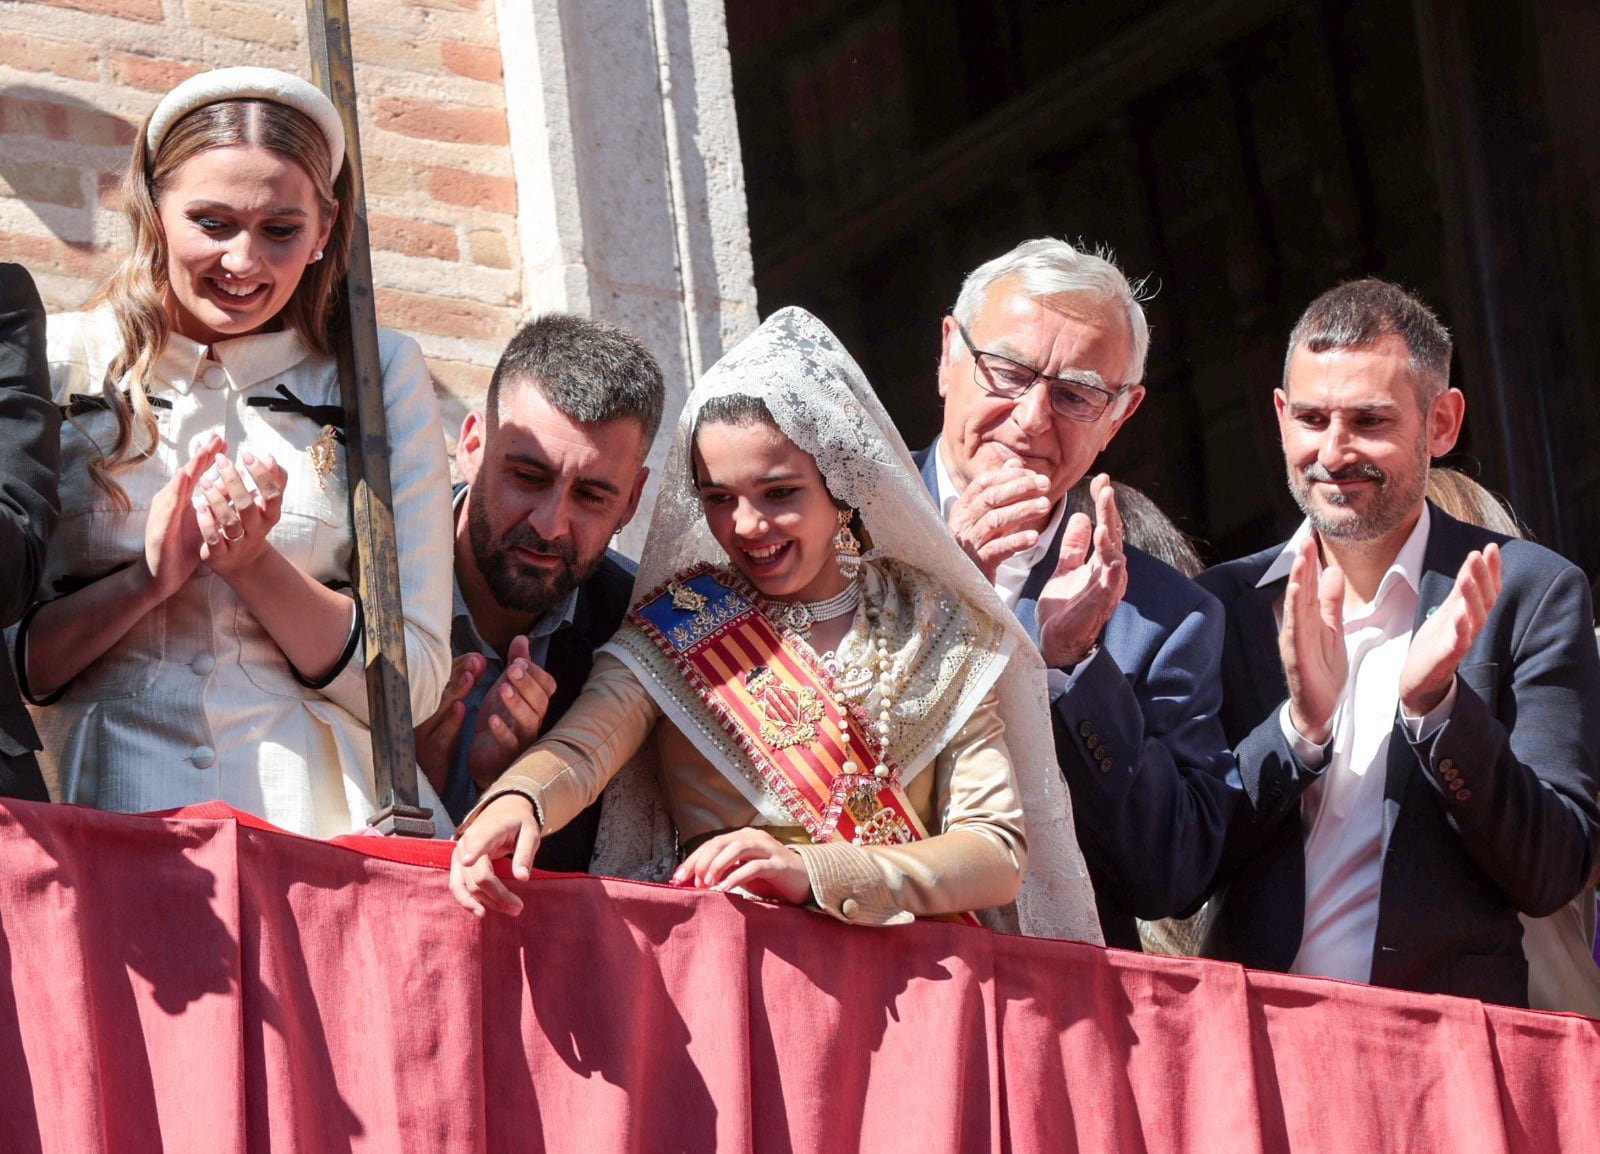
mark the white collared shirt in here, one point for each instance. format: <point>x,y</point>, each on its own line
<point>1343,811</point>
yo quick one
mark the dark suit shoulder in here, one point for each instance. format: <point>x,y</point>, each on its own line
<point>1159,591</point>
<point>1224,581</point>
<point>1519,556</point>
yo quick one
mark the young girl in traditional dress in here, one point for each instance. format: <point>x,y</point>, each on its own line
<point>844,714</point>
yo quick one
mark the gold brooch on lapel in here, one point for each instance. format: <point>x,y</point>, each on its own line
<point>322,452</point>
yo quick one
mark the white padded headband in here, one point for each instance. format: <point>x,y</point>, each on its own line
<point>249,84</point>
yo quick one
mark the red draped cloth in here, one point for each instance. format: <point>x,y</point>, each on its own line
<point>199,982</point>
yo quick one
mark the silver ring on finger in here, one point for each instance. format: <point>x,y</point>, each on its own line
<point>269,490</point>
<point>226,536</point>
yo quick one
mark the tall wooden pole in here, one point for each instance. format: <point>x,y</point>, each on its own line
<point>367,460</point>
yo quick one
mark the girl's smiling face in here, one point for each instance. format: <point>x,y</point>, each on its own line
<point>241,224</point>
<point>769,509</point>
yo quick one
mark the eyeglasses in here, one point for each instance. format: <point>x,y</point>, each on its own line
<point>1076,398</point>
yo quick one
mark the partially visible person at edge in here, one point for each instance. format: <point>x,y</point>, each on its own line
<point>1562,971</point>
<point>1415,701</point>
<point>29,459</point>
<point>1040,366</point>
<point>196,635</point>
<point>554,465</point>
<point>858,734</point>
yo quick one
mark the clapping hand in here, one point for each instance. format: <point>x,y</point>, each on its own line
<point>1443,639</point>
<point>234,523</point>
<point>510,716</point>
<point>436,737</point>
<point>987,519</point>
<point>172,533</point>
<point>1090,578</point>
<point>1311,643</point>
<point>507,721</point>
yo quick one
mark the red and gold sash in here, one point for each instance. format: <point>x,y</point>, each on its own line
<point>814,751</point>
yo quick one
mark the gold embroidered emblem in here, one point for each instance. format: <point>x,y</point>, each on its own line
<point>685,598</point>
<point>322,452</point>
<point>787,714</point>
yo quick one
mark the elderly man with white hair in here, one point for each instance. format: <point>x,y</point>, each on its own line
<point>1039,368</point>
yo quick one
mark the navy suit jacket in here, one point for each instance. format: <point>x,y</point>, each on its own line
<point>30,460</point>
<point>1492,814</point>
<point>1140,744</point>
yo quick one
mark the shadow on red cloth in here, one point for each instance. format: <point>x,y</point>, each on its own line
<point>109,881</point>
<point>202,982</point>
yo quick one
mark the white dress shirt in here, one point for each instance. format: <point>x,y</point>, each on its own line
<point>1343,811</point>
<point>197,702</point>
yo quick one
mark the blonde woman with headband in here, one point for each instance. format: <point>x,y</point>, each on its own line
<point>195,635</point>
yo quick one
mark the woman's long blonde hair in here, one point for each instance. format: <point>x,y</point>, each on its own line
<point>138,289</point>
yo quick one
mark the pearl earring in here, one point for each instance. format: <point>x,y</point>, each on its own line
<point>316,256</point>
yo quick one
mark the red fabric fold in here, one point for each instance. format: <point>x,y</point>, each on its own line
<point>200,981</point>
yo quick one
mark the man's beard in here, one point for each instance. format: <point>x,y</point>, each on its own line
<point>1387,507</point>
<point>518,587</point>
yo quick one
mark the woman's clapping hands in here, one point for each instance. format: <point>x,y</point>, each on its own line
<point>234,522</point>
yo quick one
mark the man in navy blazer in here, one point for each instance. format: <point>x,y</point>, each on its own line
<point>1415,702</point>
<point>1039,367</point>
<point>30,450</point>
<point>554,466</point>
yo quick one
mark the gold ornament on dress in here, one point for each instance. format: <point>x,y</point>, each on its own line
<point>322,453</point>
<point>862,802</point>
<point>685,598</point>
<point>886,827</point>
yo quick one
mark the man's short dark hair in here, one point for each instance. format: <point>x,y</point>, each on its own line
<point>591,371</point>
<point>1356,314</point>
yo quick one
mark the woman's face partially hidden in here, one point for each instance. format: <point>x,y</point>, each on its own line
<point>769,509</point>
<point>241,225</point>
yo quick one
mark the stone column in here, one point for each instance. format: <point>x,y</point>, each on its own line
<point>630,190</point>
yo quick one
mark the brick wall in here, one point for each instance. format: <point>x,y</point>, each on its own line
<point>78,76</point>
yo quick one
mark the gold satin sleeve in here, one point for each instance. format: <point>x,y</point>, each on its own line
<point>974,860</point>
<point>565,771</point>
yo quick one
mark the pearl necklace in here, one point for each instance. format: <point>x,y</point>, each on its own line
<point>802,615</point>
<point>878,654</point>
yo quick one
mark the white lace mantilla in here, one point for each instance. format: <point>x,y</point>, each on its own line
<point>820,400</point>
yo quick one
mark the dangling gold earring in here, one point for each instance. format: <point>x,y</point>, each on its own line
<point>846,546</point>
